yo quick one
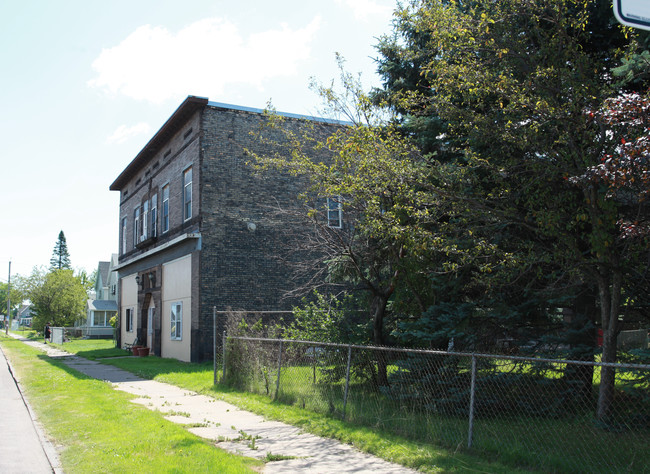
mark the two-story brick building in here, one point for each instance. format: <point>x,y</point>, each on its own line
<point>195,230</point>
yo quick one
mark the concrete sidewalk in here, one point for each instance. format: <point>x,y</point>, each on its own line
<point>233,429</point>
<point>23,445</point>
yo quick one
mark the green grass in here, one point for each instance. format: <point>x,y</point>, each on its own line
<point>570,443</point>
<point>508,444</point>
<point>425,457</point>
<point>27,333</point>
<point>101,431</point>
<point>93,349</point>
<point>525,415</point>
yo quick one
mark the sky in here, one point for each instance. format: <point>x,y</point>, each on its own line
<point>86,83</point>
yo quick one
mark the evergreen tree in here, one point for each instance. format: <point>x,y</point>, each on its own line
<point>60,256</point>
<point>523,90</point>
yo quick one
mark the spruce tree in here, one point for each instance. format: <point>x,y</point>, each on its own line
<point>60,256</point>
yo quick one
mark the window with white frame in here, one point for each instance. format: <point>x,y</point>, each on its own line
<point>334,212</point>
<point>153,218</point>
<point>187,194</point>
<point>177,321</point>
<point>136,226</point>
<point>128,324</point>
<point>99,318</point>
<point>165,208</point>
<point>124,222</point>
<point>150,316</point>
<point>145,220</point>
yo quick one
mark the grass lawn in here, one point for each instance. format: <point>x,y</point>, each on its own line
<point>506,443</point>
<point>421,456</point>
<point>100,431</point>
<point>93,349</point>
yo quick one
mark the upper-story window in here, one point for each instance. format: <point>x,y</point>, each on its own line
<point>124,221</point>
<point>165,208</point>
<point>136,226</point>
<point>334,212</point>
<point>145,220</point>
<point>187,194</point>
<point>153,215</point>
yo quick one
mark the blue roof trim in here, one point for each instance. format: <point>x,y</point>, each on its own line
<point>221,105</point>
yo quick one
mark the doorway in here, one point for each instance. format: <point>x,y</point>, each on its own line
<point>151,312</point>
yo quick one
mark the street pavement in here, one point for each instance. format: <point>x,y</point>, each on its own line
<point>231,428</point>
<point>23,445</point>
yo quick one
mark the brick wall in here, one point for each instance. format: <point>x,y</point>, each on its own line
<point>242,269</point>
<point>239,261</point>
<point>165,167</point>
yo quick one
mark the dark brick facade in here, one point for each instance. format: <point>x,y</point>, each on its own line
<point>234,240</point>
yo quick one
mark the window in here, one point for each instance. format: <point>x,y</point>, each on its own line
<point>145,220</point>
<point>129,320</point>
<point>136,226</point>
<point>165,208</point>
<point>124,235</point>
<point>153,217</point>
<point>150,315</point>
<point>177,321</point>
<point>99,318</point>
<point>334,212</point>
<point>187,194</point>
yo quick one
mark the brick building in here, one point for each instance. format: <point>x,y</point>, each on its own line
<point>195,230</point>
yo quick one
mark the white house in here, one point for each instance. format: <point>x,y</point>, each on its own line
<point>100,310</point>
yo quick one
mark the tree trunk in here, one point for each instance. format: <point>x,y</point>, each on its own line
<point>607,378</point>
<point>610,296</point>
<point>582,342</point>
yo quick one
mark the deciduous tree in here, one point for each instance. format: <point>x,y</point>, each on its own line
<point>58,298</point>
<point>397,228</point>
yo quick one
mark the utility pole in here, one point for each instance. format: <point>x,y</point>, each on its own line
<point>8,318</point>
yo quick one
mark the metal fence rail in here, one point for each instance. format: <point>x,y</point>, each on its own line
<point>531,412</point>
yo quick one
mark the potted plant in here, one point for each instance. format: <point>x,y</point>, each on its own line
<point>143,351</point>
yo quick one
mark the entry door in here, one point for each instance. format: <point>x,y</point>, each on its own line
<point>150,315</point>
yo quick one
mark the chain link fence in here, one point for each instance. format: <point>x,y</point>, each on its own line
<point>529,412</point>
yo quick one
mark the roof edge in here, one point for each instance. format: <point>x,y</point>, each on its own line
<point>188,106</point>
<point>312,118</point>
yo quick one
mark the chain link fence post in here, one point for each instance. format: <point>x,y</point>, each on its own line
<point>347,381</point>
<point>277,383</point>
<point>472,391</point>
<point>214,344</point>
<point>313,363</point>
<point>223,357</point>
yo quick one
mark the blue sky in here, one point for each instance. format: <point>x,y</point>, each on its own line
<point>86,83</point>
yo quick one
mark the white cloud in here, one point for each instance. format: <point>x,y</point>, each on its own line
<point>155,64</point>
<point>123,133</point>
<point>363,9</point>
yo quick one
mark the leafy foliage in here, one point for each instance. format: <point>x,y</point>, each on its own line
<point>59,300</point>
<point>328,320</point>
<point>15,294</point>
<point>517,84</point>
<point>399,225</point>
